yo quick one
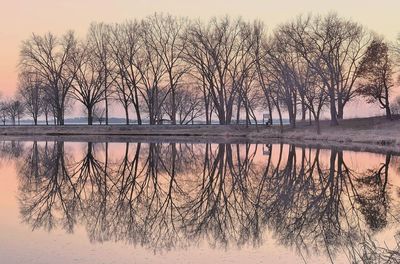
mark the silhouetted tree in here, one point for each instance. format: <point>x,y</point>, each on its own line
<point>377,73</point>
<point>51,58</point>
<point>99,40</point>
<point>165,35</point>
<point>15,110</point>
<point>88,84</point>
<point>31,91</point>
<point>333,47</point>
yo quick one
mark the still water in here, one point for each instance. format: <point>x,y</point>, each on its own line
<point>65,202</point>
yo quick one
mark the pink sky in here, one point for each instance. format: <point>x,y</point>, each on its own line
<point>19,18</point>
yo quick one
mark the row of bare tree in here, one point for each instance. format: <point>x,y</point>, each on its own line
<point>171,68</point>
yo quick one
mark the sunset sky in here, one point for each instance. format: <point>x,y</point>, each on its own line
<point>19,18</point>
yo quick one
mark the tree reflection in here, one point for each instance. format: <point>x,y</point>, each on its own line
<point>11,150</point>
<point>162,196</point>
<point>46,199</point>
<point>372,195</point>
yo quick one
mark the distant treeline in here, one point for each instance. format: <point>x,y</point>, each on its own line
<point>176,69</point>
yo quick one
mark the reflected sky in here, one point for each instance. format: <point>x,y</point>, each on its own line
<point>173,202</point>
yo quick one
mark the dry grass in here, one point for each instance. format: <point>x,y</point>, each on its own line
<point>375,133</point>
<point>374,130</point>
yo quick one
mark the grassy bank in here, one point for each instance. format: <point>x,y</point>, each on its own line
<point>132,130</point>
<point>373,130</point>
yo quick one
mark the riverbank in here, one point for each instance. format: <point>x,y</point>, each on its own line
<point>364,134</point>
<point>373,130</point>
<point>132,130</point>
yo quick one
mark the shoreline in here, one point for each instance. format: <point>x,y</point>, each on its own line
<point>374,134</point>
<point>317,144</point>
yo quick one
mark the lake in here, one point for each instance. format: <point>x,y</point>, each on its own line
<point>153,202</point>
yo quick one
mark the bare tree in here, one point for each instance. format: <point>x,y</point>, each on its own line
<point>215,50</point>
<point>377,73</point>
<point>283,67</point>
<point>15,109</point>
<point>3,111</point>
<point>31,91</point>
<point>261,67</point>
<point>165,35</point>
<point>315,98</point>
<point>123,96</point>
<point>333,47</point>
<point>47,107</point>
<point>153,88</point>
<point>189,105</point>
<point>125,45</point>
<point>269,83</point>
<point>243,73</point>
<point>51,58</point>
<point>87,87</point>
<point>99,114</point>
<point>99,39</point>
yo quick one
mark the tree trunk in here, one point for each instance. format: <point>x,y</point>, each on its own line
<point>269,110</point>
<point>280,117</point>
<point>248,121</point>
<point>238,111</point>
<point>90,116</point>
<point>388,112</point>
<point>334,121</point>
<point>105,88</point>
<point>127,115</point>
<point>221,115</point>
<point>60,118</point>
<point>106,106</point>
<point>292,115</point>
<point>173,119</point>
<point>206,102</point>
<point>303,110</point>
<point>138,117</point>
<point>387,105</point>
<point>206,111</point>
<point>318,125</point>
<point>340,106</point>
<point>210,117</point>
<point>60,115</point>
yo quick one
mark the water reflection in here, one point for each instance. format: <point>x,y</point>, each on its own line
<point>162,196</point>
